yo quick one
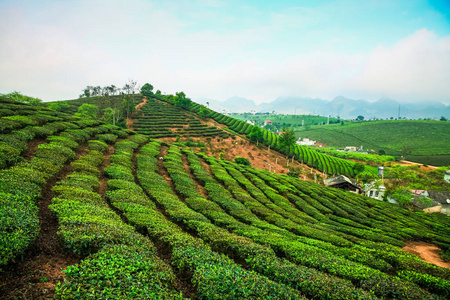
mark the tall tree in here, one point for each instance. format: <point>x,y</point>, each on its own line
<point>147,90</point>
<point>287,138</point>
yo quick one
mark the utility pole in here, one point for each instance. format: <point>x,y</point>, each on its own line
<point>398,118</point>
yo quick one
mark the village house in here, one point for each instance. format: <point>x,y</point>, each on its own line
<point>267,122</point>
<point>447,176</point>
<point>305,142</point>
<point>374,190</point>
<point>431,201</point>
<point>351,149</point>
<point>344,183</point>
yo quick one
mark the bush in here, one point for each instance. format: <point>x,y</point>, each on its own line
<point>119,272</point>
<point>242,160</point>
<point>19,223</point>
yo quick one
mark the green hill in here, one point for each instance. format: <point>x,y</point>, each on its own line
<point>421,139</point>
<point>152,220</point>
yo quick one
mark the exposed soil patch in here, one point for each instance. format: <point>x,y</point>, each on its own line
<point>36,276</point>
<point>427,252</point>
<point>411,163</point>
<point>32,148</point>
<point>162,170</point>
<point>103,179</point>
<point>130,120</point>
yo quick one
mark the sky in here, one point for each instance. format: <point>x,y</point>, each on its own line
<point>213,49</point>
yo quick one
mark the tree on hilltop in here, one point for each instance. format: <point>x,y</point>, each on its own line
<point>181,100</point>
<point>147,90</point>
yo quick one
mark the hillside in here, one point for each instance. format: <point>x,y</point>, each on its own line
<point>422,138</point>
<point>152,215</point>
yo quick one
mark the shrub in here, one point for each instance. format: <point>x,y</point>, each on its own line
<point>242,160</point>
<point>19,223</point>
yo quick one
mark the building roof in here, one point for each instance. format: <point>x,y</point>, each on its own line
<point>417,192</point>
<point>338,180</point>
<point>439,196</point>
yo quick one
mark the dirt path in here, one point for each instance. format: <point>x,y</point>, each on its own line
<point>36,276</point>
<point>138,107</point>
<point>411,163</point>
<point>427,252</point>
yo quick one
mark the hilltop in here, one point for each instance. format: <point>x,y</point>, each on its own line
<point>157,212</point>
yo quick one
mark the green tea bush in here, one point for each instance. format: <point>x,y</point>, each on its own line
<point>107,138</point>
<point>98,145</point>
<point>118,272</point>
<point>19,225</point>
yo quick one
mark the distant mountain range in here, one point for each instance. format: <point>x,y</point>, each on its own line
<point>340,106</point>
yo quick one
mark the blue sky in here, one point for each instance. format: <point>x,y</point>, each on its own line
<point>218,49</point>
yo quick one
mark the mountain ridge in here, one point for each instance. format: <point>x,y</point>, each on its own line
<point>341,106</point>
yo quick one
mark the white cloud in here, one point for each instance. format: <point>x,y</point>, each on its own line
<point>54,52</point>
<point>415,68</point>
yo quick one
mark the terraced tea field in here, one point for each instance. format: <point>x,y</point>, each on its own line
<point>159,119</point>
<point>130,216</point>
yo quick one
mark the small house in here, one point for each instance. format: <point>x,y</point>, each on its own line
<point>447,176</point>
<point>374,190</point>
<point>305,142</point>
<point>351,149</point>
<point>267,122</point>
<point>344,183</point>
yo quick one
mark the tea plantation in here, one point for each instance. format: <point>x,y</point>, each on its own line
<point>152,220</point>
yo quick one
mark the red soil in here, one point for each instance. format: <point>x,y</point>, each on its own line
<point>427,252</point>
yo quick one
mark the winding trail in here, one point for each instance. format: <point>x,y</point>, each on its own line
<point>427,252</point>
<point>138,107</point>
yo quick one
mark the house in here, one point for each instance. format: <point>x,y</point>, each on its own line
<point>344,183</point>
<point>431,201</point>
<point>320,144</point>
<point>250,122</point>
<point>280,132</point>
<point>447,176</point>
<point>305,142</point>
<point>374,190</point>
<point>351,148</point>
<point>267,122</point>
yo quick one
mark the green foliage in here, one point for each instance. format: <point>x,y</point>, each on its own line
<point>242,160</point>
<point>58,106</point>
<point>287,138</point>
<point>358,167</point>
<point>181,100</point>
<point>88,111</point>
<point>147,90</point>
<point>118,272</point>
<point>19,225</point>
<point>17,96</point>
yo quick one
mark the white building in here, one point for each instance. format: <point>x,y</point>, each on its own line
<point>305,142</point>
<point>447,176</point>
<point>375,191</point>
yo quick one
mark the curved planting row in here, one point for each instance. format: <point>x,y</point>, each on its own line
<point>21,185</point>
<point>259,258</point>
<point>372,234</point>
<point>123,263</point>
<point>215,276</point>
<point>300,252</point>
